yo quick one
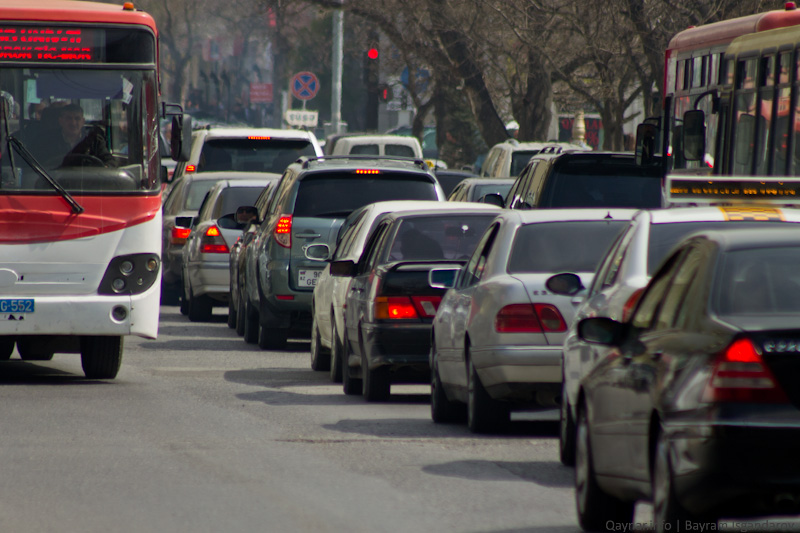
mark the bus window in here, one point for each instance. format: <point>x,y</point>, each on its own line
<point>681,82</point>
<point>767,77</point>
<point>728,72</point>
<point>782,131</point>
<point>713,69</point>
<point>746,74</point>
<point>697,72</point>
<point>764,130</point>
<point>784,67</point>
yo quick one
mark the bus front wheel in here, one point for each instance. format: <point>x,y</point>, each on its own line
<point>101,357</point>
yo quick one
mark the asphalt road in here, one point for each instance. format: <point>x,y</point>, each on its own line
<point>201,432</point>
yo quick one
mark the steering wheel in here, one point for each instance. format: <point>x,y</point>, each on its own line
<point>81,160</point>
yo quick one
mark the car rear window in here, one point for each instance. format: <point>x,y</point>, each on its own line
<point>232,198</point>
<point>762,281</point>
<point>365,149</point>
<point>252,155</point>
<point>664,236</point>
<point>448,237</point>
<point>399,150</point>
<point>519,160</point>
<point>594,182</point>
<point>554,247</point>
<point>339,194</point>
<point>480,191</point>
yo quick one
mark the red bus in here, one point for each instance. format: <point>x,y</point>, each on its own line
<point>694,75</point>
<point>80,180</point>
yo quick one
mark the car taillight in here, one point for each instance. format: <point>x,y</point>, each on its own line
<point>740,375</point>
<point>212,242</point>
<point>406,307</point>
<point>179,235</point>
<point>283,231</point>
<point>527,318</point>
<point>190,168</point>
<point>630,303</point>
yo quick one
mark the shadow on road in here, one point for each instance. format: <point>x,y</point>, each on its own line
<point>17,372</point>
<point>545,473</point>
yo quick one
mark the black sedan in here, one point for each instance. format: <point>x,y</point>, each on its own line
<point>696,406</point>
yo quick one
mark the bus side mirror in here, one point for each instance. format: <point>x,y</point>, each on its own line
<point>646,137</point>
<point>694,135</point>
<point>181,138</point>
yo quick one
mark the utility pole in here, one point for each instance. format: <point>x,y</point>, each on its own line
<point>336,63</point>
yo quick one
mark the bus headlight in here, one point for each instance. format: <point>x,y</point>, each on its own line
<point>130,274</point>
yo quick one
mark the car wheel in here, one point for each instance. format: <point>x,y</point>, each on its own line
<point>29,352</point>
<point>351,385</point>
<point>240,317</point>
<point>336,356</point>
<point>320,357</point>
<point>377,382</point>
<point>199,307</point>
<point>6,349</point>
<point>442,409</point>
<point>184,299</point>
<point>250,324</point>
<point>484,414</point>
<point>101,357</point>
<point>272,338</point>
<point>595,507</point>
<point>666,507</point>
<point>566,432</point>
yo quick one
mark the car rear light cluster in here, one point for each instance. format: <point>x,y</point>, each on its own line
<point>630,304</point>
<point>406,307</point>
<point>179,235</point>
<point>190,168</point>
<point>283,231</point>
<point>529,318</point>
<point>740,375</point>
<point>212,242</point>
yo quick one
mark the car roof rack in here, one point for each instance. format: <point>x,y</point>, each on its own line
<point>306,161</point>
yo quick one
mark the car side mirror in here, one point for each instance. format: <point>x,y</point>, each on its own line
<point>566,284</point>
<point>601,330</point>
<point>317,252</point>
<point>492,199</point>
<point>181,138</point>
<point>343,269</point>
<point>694,135</point>
<point>443,278</point>
<point>646,144</point>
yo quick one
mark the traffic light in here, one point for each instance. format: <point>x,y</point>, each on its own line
<point>372,68</point>
<point>384,93</point>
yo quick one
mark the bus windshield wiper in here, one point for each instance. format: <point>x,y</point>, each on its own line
<point>35,165</point>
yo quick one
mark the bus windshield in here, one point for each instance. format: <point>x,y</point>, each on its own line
<point>85,128</point>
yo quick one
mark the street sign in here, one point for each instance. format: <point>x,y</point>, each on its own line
<point>301,118</point>
<point>304,85</point>
<point>260,93</point>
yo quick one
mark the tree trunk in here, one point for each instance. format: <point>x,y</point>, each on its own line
<point>534,110</point>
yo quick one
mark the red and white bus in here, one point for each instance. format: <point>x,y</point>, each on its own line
<point>80,180</point>
<point>695,73</point>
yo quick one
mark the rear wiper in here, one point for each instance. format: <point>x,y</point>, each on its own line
<point>35,165</point>
<point>333,214</point>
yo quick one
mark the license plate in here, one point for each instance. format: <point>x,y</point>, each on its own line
<point>308,278</point>
<point>17,305</point>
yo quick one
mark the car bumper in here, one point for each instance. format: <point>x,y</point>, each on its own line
<point>518,373</point>
<point>210,278</point>
<point>281,305</point>
<point>398,345</point>
<point>736,470</point>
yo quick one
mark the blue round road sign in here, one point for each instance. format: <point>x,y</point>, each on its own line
<point>304,85</point>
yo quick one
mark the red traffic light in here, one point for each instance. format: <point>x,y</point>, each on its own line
<point>372,53</point>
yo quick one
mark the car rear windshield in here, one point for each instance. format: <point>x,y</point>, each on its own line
<point>234,197</point>
<point>664,236</point>
<point>479,191</point>
<point>554,247</point>
<point>519,160</point>
<point>338,194</point>
<point>430,238</point>
<point>602,182</point>
<point>252,155</point>
<point>761,281</point>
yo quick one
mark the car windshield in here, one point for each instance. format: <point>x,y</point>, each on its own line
<point>760,281</point>
<point>519,160</point>
<point>664,236</point>
<point>338,194</point>
<point>252,155</point>
<point>447,237</point>
<point>593,182</point>
<point>554,247</point>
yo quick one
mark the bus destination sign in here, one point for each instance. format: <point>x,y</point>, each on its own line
<point>48,44</point>
<point>783,190</point>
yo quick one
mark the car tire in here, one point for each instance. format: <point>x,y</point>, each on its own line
<point>231,314</point>
<point>240,317</point>
<point>272,338</point>
<point>336,356</point>
<point>6,349</point>
<point>199,307</point>
<point>566,432</point>
<point>351,385</point>
<point>443,410</point>
<point>484,413</point>
<point>666,507</point>
<point>184,307</point>
<point>320,357</point>
<point>101,357</point>
<point>29,352</point>
<point>595,507</point>
<point>377,382</point>
<point>250,324</point>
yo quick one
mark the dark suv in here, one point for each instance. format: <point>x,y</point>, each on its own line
<point>585,179</point>
<point>311,201</point>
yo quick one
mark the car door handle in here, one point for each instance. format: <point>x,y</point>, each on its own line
<point>308,235</point>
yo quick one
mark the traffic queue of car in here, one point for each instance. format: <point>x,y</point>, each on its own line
<point>668,336</point>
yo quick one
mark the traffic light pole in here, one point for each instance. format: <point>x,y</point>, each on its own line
<point>336,64</point>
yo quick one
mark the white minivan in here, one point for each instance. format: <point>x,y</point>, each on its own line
<point>390,145</point>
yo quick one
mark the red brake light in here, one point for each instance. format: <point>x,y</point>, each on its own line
<point>740,375</point>
<point>190,168</point>
<point>394,308</point>
<point>213,243</point>
<point>283,231</point>
<point>258,138</point>
<point>550,317</point>
<point>179,235</point>
<point>368,171</point>
<point>633,299</point>
<point>517,318</point>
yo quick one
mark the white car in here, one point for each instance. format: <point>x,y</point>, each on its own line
<point>498,331</point>
<point>508,158</point>
<point>389,145</point>
<point>625,271</point>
